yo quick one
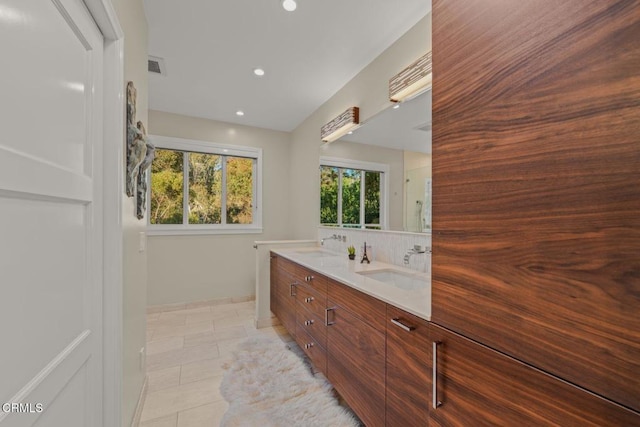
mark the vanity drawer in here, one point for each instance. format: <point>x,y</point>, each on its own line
<point>288,266</point>
<point>311,300</point>
<point>312,324</point>
<point>367,308</point>
<point>311,278</point>
<point>283,285</point>
<point>312,349</point>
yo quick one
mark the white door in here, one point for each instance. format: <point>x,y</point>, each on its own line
<point>50,214</point>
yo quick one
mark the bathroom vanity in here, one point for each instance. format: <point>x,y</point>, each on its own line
<point>371,351</point>
<point>379,353</point>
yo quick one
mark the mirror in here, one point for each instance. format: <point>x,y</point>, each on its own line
<point>401,138</point>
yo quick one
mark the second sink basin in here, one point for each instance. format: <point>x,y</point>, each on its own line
<point>399,279</point>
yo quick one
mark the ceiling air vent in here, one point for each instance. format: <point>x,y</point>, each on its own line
<point>156,65</point>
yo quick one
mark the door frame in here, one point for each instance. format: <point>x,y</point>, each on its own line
<point>113,148</point>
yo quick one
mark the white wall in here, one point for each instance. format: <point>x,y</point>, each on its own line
<point>193,268</point>
<point>369,91</point>
<point>134,24</point>
<point>415,190</point>
<point>414,160</point>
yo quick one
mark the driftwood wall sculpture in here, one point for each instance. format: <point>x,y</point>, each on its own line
<point>140,154</point>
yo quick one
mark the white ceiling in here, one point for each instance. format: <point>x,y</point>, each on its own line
<point>211,47</point>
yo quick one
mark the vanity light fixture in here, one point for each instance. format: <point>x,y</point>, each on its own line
<point>411,81</point>
<point>342,124</point>
<point>289,5</point>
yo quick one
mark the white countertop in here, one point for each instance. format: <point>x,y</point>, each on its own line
<point>339,267</point>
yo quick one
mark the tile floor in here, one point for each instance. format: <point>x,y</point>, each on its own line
<point>186,350</point>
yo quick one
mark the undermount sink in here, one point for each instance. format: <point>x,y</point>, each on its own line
<point>315,253</point>
<point>399,279</point>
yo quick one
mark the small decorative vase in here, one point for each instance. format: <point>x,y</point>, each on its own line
<point>352,256</point>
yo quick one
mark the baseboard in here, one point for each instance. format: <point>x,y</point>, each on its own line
<point>266,322</point>
<point>161,308</point>
<point>143,395</point>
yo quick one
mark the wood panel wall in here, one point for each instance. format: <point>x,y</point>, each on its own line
<point>536,184</point>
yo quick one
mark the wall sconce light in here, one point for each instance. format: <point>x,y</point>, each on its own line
<point>411,81</point>
<point>340,125</point>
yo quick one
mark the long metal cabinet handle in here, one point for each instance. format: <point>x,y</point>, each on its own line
<point>397,322</point>
<point>435,402</point>
<point>291,288</point>
<point>326,316</point>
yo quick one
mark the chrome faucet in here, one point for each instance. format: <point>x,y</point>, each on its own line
<point>416,249</point>
<point>334,237</point>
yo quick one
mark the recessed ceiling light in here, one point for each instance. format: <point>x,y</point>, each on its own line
<point>239,113</point>
<point>395,107</point>
<point>289,5</point>
<point>258,72</point>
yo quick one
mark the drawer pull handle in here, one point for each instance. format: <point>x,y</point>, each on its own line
<point>292,289</point>
<point>326,316</point>
<point>308,322</point>
<point>398,323</point>
<point>308,278</point>
<point>309,299</point>
<point>435,403</point>
<point>308,346</point>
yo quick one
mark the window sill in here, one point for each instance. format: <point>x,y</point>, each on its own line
<point>191,231</point>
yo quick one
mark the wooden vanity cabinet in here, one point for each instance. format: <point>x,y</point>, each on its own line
<point>284,289</point>
<point>274,273</point>
<point>477,386</point>
<point>311,331</point>
<point>356,351</point>
<point>378,367</point>
<point>408,372</point>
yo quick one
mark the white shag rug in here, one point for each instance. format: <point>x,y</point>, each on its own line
<point>268,385</point>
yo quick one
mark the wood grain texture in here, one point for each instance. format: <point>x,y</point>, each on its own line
<point>315,280</point>
<point>286,302</point>
<point>273,280</point>
<point>312,325</point>
<point>312,300</point>
<point>312,312</point>
<point>480,387</point>
<point>356,365</point>
<point>536,184</point>
<point>312,348</point>
<point>408,374</point>
<point>369,309</point>
<point>318,282</point>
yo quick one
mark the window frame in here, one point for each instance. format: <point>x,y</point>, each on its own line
<point>206,147</point>
<point>362,166</point>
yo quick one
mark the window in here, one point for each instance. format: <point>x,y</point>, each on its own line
<point>352,194</point>
<point>199,187</point>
